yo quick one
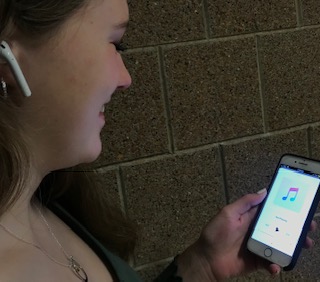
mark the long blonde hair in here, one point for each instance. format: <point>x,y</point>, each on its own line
<point>37,20</point>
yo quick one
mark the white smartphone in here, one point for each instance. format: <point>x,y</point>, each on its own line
<point>282,224</point>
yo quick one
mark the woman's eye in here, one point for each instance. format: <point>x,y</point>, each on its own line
<point>120,47</point>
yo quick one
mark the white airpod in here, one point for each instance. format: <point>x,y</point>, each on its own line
<point>6,53</point>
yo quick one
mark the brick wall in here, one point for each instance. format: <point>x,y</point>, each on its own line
<point>221,89</point>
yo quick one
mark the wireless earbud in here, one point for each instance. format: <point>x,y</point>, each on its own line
<point>6,53</point>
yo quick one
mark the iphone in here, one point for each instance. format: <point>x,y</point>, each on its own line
<point>283,221</point>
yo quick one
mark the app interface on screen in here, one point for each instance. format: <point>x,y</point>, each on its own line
<point>286,209</point>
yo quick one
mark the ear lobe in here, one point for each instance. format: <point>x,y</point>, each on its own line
<point>7,55</point>
<point>7,75</point>
<point>4,89</point>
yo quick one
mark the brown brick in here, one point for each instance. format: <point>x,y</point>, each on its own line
<point>213,91</point>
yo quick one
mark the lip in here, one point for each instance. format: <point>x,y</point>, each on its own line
<point>101,115</point>
<point>102,119</point>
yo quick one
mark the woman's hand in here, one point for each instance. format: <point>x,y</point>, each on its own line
<point>221,251</point>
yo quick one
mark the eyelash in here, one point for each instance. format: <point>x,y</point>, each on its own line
<point>120,47</point>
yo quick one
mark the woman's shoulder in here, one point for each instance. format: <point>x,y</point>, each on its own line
<point>11,267</point>
<point>22,260</point>
<point>18,261</point>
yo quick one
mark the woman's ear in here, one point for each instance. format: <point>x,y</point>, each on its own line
<point>8,57</point>
<point>4,89</point>
<point>7,80</point>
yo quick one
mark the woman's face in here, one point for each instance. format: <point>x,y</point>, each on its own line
<point>71,78</point>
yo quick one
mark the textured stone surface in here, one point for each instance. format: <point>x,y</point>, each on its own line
<point>260,275</point>
<point>251,164</point>
<point>315,142</point>
<point>154,22</point>
<point>310,12</point>
<point>151,272</point>
<point>108,183</point>
<point>135,118</point>
<point>244,16</point>
<point>171,200</point>
<point>290,77</point>
<point>213,91</point>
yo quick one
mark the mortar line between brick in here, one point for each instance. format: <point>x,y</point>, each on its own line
<point>165,95</point>
<point>281,276</point>
<point>261,89</point>
<point>269,134</point>
<point>206,18</point>
<point>121,190</point>
<point>223,173</point>
<point>123,200</point>
<point>309,141</point>
<point>205,147</point>
<point>155,263</point>
<point>220,39</point>
<point>299,13</point>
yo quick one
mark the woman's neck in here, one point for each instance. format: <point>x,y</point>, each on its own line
<point>22,210</point>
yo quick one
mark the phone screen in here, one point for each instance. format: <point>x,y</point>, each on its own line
<point>286,208</point>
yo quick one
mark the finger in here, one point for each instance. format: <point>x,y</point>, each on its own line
<point>309,243</point>
<point>274,269</point>
<point>313,226</point>
<point>245,203</point>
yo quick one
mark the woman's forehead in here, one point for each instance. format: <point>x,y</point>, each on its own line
<point>106,15</point>
<point>115,10</point>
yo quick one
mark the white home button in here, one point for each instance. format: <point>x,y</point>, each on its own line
<point>268,252</point>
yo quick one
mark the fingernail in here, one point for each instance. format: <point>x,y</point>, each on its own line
<point>262,191</point>
<point>276,273</point>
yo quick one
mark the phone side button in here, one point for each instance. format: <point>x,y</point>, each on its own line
<point>268,252</point>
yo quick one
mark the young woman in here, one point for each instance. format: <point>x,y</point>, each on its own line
<point>59,66</point>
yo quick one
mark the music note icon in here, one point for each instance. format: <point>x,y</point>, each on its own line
<point>291,190</point>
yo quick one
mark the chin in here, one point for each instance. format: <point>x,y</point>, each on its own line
<point>72,159</point>
<point>94,154</point>
<point>83,154</point>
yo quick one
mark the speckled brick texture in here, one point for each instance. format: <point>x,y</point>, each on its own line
<point>261,275</point>
<point>155,22</point>
<point>250,164</point>
<point>172,199</point>
<point>108,182</point>
<point>290,77</point>
<point>235,17</point>
<point>135,118</point>
<point>221,89</point>
<point>315,142</point>
<point>150,273</point>
<point>310,12</point>
<point>213,91</point>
